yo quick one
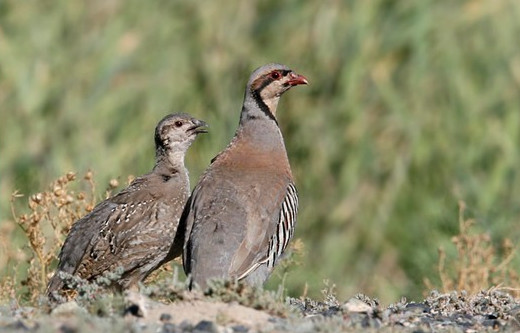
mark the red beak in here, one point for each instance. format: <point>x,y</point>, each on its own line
<point>296,79</point>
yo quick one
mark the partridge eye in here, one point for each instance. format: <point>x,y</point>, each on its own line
<point>178,123</point>
<point>276,75</point>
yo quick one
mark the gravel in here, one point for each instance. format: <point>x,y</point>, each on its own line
<point>491,310</point>
<point>487,310</point>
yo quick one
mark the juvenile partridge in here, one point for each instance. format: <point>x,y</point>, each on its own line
<point>241,215</point>
<point>135,228</point>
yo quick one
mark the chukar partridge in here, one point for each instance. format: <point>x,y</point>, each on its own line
<point>135,228</point>
<point>242,213</point>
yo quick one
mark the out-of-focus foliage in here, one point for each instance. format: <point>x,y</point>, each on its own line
<point>413,105</point>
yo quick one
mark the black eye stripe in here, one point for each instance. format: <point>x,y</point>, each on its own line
<point>285,72</point>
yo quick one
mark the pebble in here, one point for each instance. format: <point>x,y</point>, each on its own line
<point>356,305</point>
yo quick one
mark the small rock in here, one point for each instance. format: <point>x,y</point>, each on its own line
<point>205,326</point>
<point>185,326</point>
<point>165,317</point>
<point>169,328</point>
<point>417,308</point>
<point>356,305</point>
<point>134,310</point>
<point>240,329</point>
<point>66,328</point>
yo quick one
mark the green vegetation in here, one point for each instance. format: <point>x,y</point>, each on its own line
<point>413,106</point>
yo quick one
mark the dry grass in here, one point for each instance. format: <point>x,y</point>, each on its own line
<point>46,224</point>
<point>479,263</point>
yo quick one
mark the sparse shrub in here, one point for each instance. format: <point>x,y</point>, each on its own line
<point>50,217</point>
<point>253,297</point>
<point>166,290</point>
<point>479,264</point>
<point>83,291</point>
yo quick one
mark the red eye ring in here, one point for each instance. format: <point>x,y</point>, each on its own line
<point>276,75</point>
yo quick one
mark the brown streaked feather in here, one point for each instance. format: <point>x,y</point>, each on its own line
<point>124,234</point>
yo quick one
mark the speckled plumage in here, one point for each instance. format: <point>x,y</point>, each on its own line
<point>135,228</point>
<point>241,214</point>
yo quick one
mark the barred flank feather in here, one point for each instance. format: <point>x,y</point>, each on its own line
<point>285,227</point>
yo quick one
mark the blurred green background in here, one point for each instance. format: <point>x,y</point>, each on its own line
<point>412,106</point>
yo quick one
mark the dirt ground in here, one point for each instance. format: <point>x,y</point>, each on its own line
<point>491,310</point>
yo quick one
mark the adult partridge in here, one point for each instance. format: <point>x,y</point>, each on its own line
<point>241,215</point>
<point>135,228</point>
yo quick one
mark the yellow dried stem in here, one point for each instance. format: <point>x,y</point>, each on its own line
<point>477,265</point>
<point>50,217</point>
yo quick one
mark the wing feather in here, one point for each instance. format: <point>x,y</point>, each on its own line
<point>279,240</point>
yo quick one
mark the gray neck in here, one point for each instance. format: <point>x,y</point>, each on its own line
<point>255,107</point>
<point>259,126</point>
<point>169,163</point>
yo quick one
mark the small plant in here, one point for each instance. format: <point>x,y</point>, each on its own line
<point>479,265</point>
<point>50,217</point>
<point>83,291</point>
<point>246,295</point>
<point>167,289</point>
<point>292,257</point>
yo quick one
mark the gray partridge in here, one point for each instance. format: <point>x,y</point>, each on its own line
<point>135,228</point>
<point>242,213</point>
